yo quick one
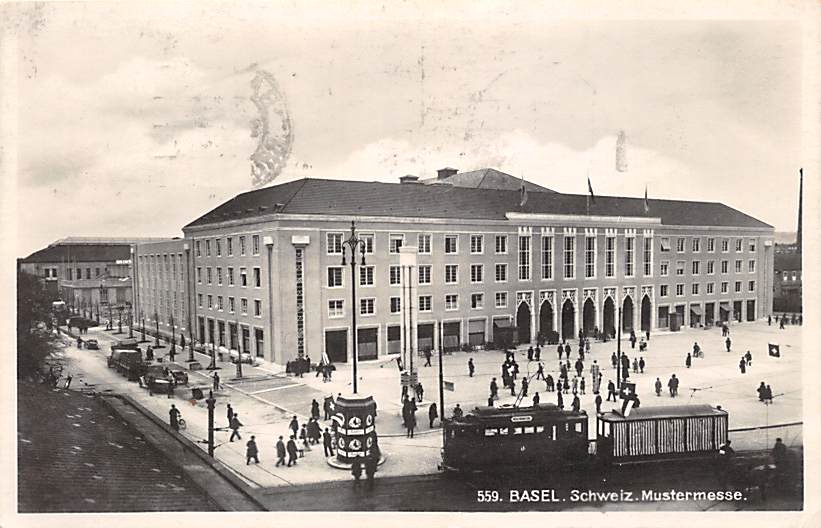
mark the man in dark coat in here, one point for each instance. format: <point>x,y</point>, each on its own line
<point>762,391</point>
<point>471,368</point>
<point>433,414</point>
<point>494,389</point>
<point>530,354</point>
<point>540,372</point>
<point>328,443</point>
<point>579,367</point>
<point>577,404</point>
<point>560,349</point>
<point>327,406</point>
<point>641,364</point>
<point>427,358</point>
<point>611,391</point>
<point>742,365</point>
<point>536,400</point>
<point>548,381</point>
<point>292,451</point>
<point>658,387</point>
<point>251,451</point>
<point>294,426</point>
<point>567,350</point>
<point>689,360</point>
<point>315,409</point>
<point>614,360</point>
<point>174,417</point>
<point>281,452</point>
<point>598,403</point>
<point>728,343</point>
<point>537,354</point>
<point>525,384</point>
<point>235,425</point>
<point>410,420</point>
<point>229,413</point>
<point>559,399</point>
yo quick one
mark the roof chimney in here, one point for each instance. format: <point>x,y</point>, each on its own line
<point>447,172</point>
<point>409,178</point>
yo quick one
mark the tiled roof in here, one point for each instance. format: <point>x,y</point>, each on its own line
<point>488,179</point>
<point>352,198</point>
<point>81,253</point>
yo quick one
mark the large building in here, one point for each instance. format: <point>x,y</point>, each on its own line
<point>447,265</point>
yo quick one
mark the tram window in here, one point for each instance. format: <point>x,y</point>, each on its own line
<point>539,428</point>
<point>491,432</point>
<point>530,430</point>
<point>517,430</point>
<point>566,427</point>
<point>578,427</point>
<point>554,433</point>
<point>503,431</point>
<point>453,433</point>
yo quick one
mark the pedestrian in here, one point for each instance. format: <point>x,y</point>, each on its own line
<point>577,404</point>
<point>303,436</point>
<point>672,385</point>
<point>779,454</point>
<point>581,385</point>
<point>559,385</point>
<point>420,392</point>
<point>292,451</point>
<point>727,342</point>
<point>314,431</point>
<point>427,358</point>
<point>525,385</point>
<point>575,385</point>
<point>647,334</point>
<point>537,355</point>
<point>625,366</point>
<point>216,381</point>
<point>579,367</point>
<point>235,425</point>
<point>328,443</point>
<point>566,386</point>
<point>696,350</point>
<point>174,417</point>
<point>494,389</point>
<point>433,414</point>
<point>559,400</point>
<point>689,360</point>
<point>548,382</point>
<point>781,324</point>
<point>540,372</point>
<point>229,413</point>
<point>294,426</point>
<point>658,387</point>
<point>356,469</point>
<point>749,357</point>
<point>327,407</point>
<point>742,365</point>
<point>251,451</point>
<point>471,368</point>
<point>530,354</point>
<point>281,452</point>
<point>769,320</point>
<point>762,392</point>
<point>69,378</point>
<point>567,350</point>
<point>641,364</point>
<point>515,369</point>
<point>614,360</point>
<point>315,409</point>
<point>635,366</point>
<point>597,383</point>
<point>632,339</point>
<point>512,387</point>
<point>768,396</point>
<point>410,422</point>
<point>370,467</point>
<point>536,400</point>
<point>560,349</point>
<point>611,390</point>
<point>598,403</point>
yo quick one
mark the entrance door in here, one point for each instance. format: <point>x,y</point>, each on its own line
<point>609,317</point>
<point>737,310</point>
<point>568,320</point>
<point>664,316</point>
<point>646,314</point>
<point>627,315</point>
<point>588,317</point>
<point>545,318</point>
<point>366,340</point>
<point>724,312</point>
<point>424,334</point>
<point>523,322</point>
<point>395,340</point>
<point>451,336</point>
<point>336,345</point>
<point>751,310</point>
<point>709,313</point>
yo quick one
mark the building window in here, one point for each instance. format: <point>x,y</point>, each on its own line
<point>243,304</point>
<point>477,301</point>
<point>648,257</point>
<point>679,290</point>
<point>663,290</point>
<point>501,272</point>
<point>501,299</point>
<point>725,245</point>
<point>694,288</point>
<point>208,274</point>
<point>395,275</point>
<point>219,275</point>
<point>230,276</point>
<point>547,258</point>
<point>696,267</point>
<point>218,244</point>
<point>257,308</point>
<point>395,242</point>
<point>590,257</point>
<point>501,244</point>
<point>335,309</point>
<point>752,245</point>
<point>367,306</point>
<point>242,246</point>
<point>424,274</point>
<point>751,286</point>
<point>751,266</point>
<point>610,257</point>
<point>451,244</point>
<point>477,244</point>
<point>219,302</point>
<point>570,256</point>
<point>724,286</point>
<point>243,277</point>
<point>257,278</point>
<point>738,286</point>
<point>54,272</point>
<point>210,302</point>
<point>198,248</point>
<point>477,273</point>
<point>425,303</point>
<point>199,300</point>
<point>739,245</point>
<point>334,277</point>
<point>451,302</point>
<point>423,242</point>
<point>396,305</point>
<point>710,288</point>
<point>524,258</point>
<point>366,275</point>
<point>664,268</point>
<point>794,275</point>
<point>88,273</point>
<point>629,249</point>
<point>738,265</point>
<point>451,273</point>
<point>334,241</point>
<point>711,245</point>
<point>696,245</point>
<point>367,240</point>
<point>231,305</point>
<point>665,245</point>
<point>199,275</point>
<point>229,246</point>
<point>680,267</point>
<point>680,244</point>
<point>711,265</point>
<point>724,266</point>
<point>255,244</point>
<point>207,248</point>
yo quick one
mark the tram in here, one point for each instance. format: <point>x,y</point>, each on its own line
<point>491,439</point>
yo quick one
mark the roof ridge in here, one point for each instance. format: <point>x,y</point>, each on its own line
<point>304,182</point>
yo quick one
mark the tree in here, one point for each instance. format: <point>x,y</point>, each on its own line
<point>35,343</point>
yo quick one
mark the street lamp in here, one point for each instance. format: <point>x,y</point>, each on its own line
<point>142,326</point>
<point>130,321</point>
<point>239,349</point>
<point>157,328</point>
<point>120,309</point>
<point>354,243</point>
<point>173,350</point>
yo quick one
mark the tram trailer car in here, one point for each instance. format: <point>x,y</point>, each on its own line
<point>656,434</point>
<point>494,438</point>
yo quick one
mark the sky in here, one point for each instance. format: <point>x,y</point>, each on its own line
<point>134,121</point>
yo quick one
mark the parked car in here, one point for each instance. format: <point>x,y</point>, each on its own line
<point>92,344</point>
<point>127,362</point>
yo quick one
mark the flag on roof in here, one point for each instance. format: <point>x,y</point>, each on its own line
<point>646,203</point>
<point>523,193</point>
<point>590,189</point>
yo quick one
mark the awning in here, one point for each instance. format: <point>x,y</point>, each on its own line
<point>476,326</point>
<point>695,308</point>
<point>502,323</point>
<point>724,305</point>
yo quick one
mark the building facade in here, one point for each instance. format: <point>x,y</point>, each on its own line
<point>447,266</point>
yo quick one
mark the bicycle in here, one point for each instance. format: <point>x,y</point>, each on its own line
<point>181,422</point>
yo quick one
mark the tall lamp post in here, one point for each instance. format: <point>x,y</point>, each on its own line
<point>354,243</point>
<point>173,350</point>
<point>130,321</point>
<point>120,309</point>
<point>142,326</point>
<point>157,328</point>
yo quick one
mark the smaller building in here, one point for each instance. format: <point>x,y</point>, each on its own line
<point>787,280</point>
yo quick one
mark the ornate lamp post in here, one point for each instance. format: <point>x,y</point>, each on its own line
<point>157,328</point>
<point>354,243</point>
<point>173,350</point>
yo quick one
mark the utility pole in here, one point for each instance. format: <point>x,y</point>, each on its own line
<point>173,350</point>
<point>239,348</point>
<point>130,321</point>
<point>157,327</point>
<point>211,402</point>
<point>618,353</point>
<point>441,382</point>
